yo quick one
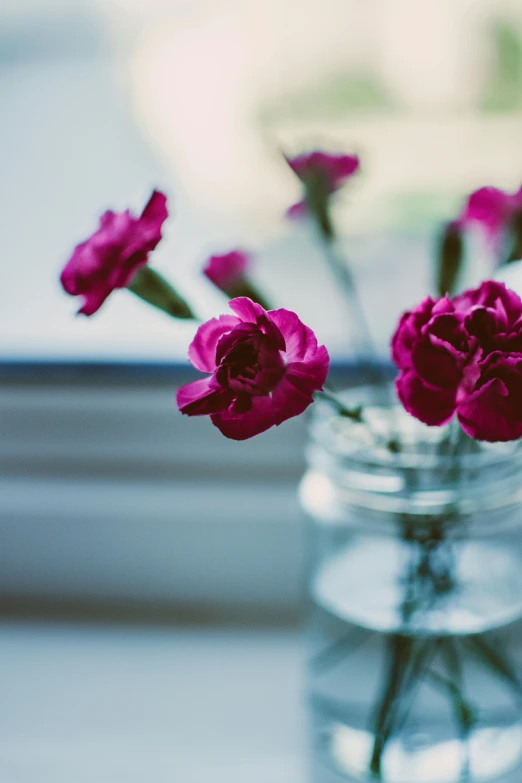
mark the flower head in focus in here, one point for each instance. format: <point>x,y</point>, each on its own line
<point>322,174</point>
<point>112,256</point>
<point>262,368</point>
<point>463,357</point>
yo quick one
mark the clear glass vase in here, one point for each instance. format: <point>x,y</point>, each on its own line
<point>415,588</point>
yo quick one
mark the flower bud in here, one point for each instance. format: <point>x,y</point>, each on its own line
<point>322,174</point>
<point>229,273</point>
<point>449,258</point>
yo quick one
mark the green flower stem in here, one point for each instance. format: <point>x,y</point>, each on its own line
<point>464,716</point>
<point>345,279</point>
<point>338,651</point>
<point>152,287</point>
<point>496,662</point>
<point>398,657</point>
<point>513,251</point>
<point>465,713</point>
<point>319,206</point>
<point>419,666</point>
<point>449,258</point>
<point>410,658</point>
<point>355,414</point>
<point>388,702</point>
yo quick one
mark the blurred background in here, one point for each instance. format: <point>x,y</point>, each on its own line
<point>163,563</point>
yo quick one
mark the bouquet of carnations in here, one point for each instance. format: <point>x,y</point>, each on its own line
<point>459,360</point>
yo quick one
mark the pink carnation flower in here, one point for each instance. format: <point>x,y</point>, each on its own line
<point>464,357</point>
<point>329,171</point>
<point>263,368</point>
<point>111,257</point>
<point>228,270</point>
<point>492,411</point>
<point>492,209</point>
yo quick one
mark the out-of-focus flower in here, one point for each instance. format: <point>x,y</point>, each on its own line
<point>322,174</point>
<point>490,208</point>
<point>263,368</point>
<point>500,216</point>
<point>228,270</point>
<point>110,258</point>
<point>230,273</point>
<point>450,352</point>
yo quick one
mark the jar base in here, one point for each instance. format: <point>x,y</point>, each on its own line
<point>343,753</point>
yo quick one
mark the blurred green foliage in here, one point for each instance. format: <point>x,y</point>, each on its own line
<point>344,94</point>
<point>503,88</point>
<point>338,96</point>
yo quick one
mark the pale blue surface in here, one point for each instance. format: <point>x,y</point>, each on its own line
<point>110,704</point>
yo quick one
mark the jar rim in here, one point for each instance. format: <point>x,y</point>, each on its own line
<point>419,480</point>
<point>419,445</point>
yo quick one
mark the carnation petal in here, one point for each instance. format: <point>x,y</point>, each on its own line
<point>310,376</point>
<point>92,301</point>
<point>144,233</point>
<point>202,350</point>
<point>246,309</point>
<point>111,256</point>
<point>289,399</point>
<point>493,411</point>
<point>488,414</point>
<point>68,277</point>
<point>301,342</point>
<point>227,269</point>
<point>297,211</point>
<point>438,366</point>
<point>200,398</point>
<point>336,168</point>
<point>241,426</point>
<point>430,405</point>
<point>487,206</point>
<point>293,393</point>
<point>155,210</point>
<point>239,333</point>
<point>408,331</point>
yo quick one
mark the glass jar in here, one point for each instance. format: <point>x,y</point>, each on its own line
<point>415,589</point>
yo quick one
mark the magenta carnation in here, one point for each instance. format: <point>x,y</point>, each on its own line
<point>329,171</point>
<point>263,368</point>
<point>463,357</point>
<point>492,209</point>
<point>227,270</point>
<point>111,257</point>
<point>493,410</point>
